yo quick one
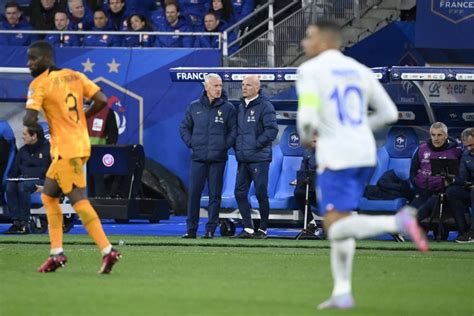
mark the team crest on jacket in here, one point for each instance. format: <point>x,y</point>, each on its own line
<point>219,118</point>
<point>251,117</point>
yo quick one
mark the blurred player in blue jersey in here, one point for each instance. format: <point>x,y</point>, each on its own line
<point>334,92</point>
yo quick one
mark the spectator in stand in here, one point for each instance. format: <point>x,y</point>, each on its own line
<point>212,24</point>
<point>461,193</point>
<point>193,11</point>
<point>80,16</point>
<point>144,7</point>
<point>117,13</point>
<point>61,22</point>
<point>427,185</point>
<point>242,8</point>
<point>158,16</point>
<point>174,23</point>
<point>102,40</point>
<point>27,176</point>
<point>13,22</point>
<point>42,13</point>
<point>138,23</point>
<point>225,12</point>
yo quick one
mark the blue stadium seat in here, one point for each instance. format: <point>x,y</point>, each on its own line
<point>287,157</point>
<point>395,154</point>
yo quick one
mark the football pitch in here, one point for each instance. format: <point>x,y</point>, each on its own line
<point>171,276</point>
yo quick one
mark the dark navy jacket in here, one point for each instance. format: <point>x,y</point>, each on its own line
<point>213,41</point>
<point>242,8</point>
<point>19,39</point>
<point>256,130</point>
<point>105,40</point>
<point>134,40</point>
<point>209,129</point>
<point>309,160</point>
<point>466,168</point>
<point>69,40</point>
<point>174,40</point>
<point>31,161</point>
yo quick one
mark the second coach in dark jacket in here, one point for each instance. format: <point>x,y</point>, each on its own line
<point>256,130</point>
<point>209,129</point>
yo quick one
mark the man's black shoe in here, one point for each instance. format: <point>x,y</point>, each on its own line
<point>189,235</point>
<point>208,235</point>
<point>14,229</point>
<point>260,234</point>
<point>245,235</point>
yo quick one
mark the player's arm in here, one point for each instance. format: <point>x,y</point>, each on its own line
<point>30,117</point>
<point>385,111</point>
<point>309,103</point>
<point>99,101</point>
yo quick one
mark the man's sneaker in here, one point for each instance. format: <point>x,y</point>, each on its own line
<point>408,225</point>
<point>52,263</point>
<point>14,229</point>
<point>344,301</point>
<point>244,235</point>
<point>109,260</point>
<point>191,234</point>
<point>466,238</point>
<point>24,228</point>
<point>208,235</point>
<point>260,234</point>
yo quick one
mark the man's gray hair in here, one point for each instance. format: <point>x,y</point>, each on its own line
<point>439,125</point>
<point>210,76</point>
<point>468,132</point>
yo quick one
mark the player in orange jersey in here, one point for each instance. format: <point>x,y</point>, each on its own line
<point>59,93</point>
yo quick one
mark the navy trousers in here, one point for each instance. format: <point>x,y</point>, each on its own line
<point>19,198</point>
<point>213,172</point>
<point>459,200</point>
<point>258,173</point>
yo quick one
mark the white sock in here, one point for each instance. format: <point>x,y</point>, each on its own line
<point>249,230</point>
<point>362,226</point>
<point>56,251</point>
<point>106,250</point>
<point>342,253</point>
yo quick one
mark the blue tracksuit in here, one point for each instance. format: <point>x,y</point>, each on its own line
<point>16,39</point>
<point>174,40</point>
<point>134,40</point>
<point>213,41</point>
<point>101,40</point>
<point>256,130</point>
<point>242,8</point>
<point>209,130</point>
<point>69,40</point>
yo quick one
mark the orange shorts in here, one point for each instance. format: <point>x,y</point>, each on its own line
<point>68,173</point>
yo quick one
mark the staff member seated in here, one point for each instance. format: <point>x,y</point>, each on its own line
<point>26,177</point>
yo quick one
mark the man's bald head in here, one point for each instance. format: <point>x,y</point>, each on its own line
<point>250,86</point>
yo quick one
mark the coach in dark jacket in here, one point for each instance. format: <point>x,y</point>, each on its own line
<point>256,130</point>
<point>31,163</point>
<point>209,129</point>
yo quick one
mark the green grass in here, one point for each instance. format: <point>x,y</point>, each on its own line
<point>171,276</point>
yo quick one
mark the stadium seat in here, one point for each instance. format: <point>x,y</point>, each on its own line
<point>287,157</point>
<point>395,154</point>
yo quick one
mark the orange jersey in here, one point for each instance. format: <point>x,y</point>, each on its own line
<point>60,93</point>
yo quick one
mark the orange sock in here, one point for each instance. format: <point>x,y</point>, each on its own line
<point>55,220</point>
<point>91,222</point>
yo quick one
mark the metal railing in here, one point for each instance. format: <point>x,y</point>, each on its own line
<point>117,33</point>
<point>280,46</point>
